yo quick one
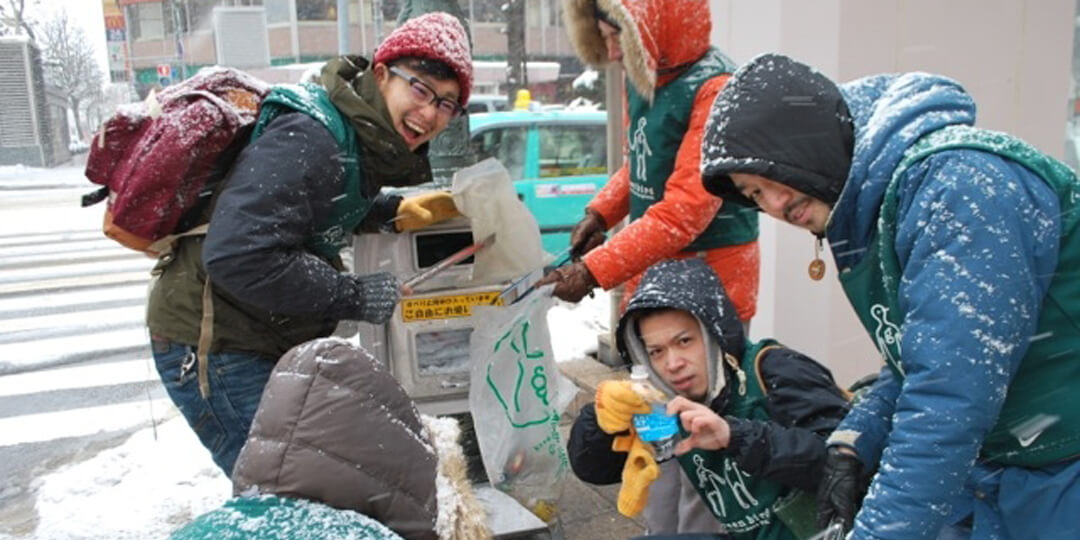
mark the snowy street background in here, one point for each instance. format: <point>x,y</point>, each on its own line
<point>90,445</point>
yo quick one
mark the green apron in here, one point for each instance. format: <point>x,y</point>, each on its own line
<point>656,130</point>
<point>746,506</point>
<point>872,288</point>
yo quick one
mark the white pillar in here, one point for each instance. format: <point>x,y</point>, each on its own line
<point>1013,57</point>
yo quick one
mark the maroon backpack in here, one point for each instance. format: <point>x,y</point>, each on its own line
<point>154,159</point>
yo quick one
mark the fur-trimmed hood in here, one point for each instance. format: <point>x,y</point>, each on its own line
<point>659,38</point>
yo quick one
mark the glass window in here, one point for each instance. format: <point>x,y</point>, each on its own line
<point>572,150</point>
<point>175,17</point>
<point>390,10</point>
<point>1072,128</point>
<point>488,10</point>
<point>316,10</point>
<point>201,13</point>
<point>147,21</point>
<point>504,144</point>
<point>277,11</point>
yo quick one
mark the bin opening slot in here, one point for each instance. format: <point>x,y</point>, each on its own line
<point>434,247</point>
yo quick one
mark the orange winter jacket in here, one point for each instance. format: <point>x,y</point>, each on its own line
<point>660,39</point>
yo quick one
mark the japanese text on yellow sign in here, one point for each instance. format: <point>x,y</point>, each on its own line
<point>445,307</point>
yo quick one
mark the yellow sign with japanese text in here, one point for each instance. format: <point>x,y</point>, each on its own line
<point>445,307</point>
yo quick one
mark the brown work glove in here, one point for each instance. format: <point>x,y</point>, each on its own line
<point>638,474</point>
<point>587,234</point>
<point>425,209</point>
<point>572,282</point>
<point>616,405</point>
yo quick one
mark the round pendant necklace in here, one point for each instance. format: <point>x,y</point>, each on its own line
<point>817,266</point>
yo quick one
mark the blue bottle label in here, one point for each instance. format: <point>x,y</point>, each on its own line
<point>659,430</point>
<point>656,425</point>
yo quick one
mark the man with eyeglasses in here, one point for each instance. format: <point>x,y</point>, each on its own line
<point>269,266</point>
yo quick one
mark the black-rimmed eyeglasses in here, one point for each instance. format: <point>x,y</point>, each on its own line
<point>423,94</point>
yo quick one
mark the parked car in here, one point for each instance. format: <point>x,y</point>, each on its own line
<point>556,158</point>
<point>483,103</point>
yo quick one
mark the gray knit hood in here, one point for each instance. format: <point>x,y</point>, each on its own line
<point>688,285</point>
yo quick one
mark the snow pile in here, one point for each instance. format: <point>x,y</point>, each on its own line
<point>574,327</point>
<point>145,488</point>
<point>587,80</point>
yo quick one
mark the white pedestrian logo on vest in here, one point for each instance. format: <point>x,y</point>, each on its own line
<point>711,483</point>
<point>886,335</point>
<point>639,144</point>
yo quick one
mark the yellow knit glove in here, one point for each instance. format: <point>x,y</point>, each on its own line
<point>616,405</point>
<point>638,473</point>
<point>425,209</point>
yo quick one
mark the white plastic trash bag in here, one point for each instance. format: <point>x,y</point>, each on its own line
<point>516,396</point>
<point>485,194</point>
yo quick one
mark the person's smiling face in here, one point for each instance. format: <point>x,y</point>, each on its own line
<point>783,202</point>
<point>420,106</point>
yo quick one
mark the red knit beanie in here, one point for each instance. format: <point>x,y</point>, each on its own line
<point>436,36</point>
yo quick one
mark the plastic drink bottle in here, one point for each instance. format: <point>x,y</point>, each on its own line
<point>657,428</point>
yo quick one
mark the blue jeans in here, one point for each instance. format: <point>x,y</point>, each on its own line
<point>236,380</point>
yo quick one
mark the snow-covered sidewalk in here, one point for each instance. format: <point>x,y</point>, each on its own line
<point>21,177</point>
<point>161,478</point>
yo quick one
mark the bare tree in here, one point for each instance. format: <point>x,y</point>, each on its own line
<point>13,19</point>
<point>69,62</point>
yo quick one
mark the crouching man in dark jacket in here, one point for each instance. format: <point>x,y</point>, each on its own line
<point>754,415</point>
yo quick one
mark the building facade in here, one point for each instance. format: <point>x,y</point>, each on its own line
<point>167,40</point>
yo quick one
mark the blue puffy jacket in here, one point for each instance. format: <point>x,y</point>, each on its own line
<point>977,242</point>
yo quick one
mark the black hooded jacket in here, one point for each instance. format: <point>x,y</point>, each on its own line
<point>782,120</point>
<point>804,403</point>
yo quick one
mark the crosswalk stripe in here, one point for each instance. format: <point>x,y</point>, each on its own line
<point>43,427</point>
<point>44,352</point>
<point>74,281</point>
<point>87,320</point>
<point>108,374</point>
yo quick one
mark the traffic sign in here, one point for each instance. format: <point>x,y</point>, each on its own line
<point>164,81</point>
<point>164,70</point>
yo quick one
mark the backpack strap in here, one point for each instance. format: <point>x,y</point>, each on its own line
<point>163,248</point>
<point>206,337</point>
<point>757,365</point>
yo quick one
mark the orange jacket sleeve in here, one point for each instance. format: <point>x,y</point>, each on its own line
<point>674,221</point>
<point>613,201</point>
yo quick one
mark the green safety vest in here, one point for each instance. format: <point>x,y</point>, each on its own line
<point>655,132</point>
<point>335,229</point>
<point>872,288</point>
<point>746,506</point>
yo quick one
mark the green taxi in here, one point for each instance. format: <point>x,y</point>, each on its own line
<point>556,158</point>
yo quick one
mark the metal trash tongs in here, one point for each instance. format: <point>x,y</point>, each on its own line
<point>561,259</point>
<point>410,285</point>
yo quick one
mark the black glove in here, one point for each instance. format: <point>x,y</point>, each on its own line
<point>841,489</point>
<point>587,234</point>
<point>378,296</point>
